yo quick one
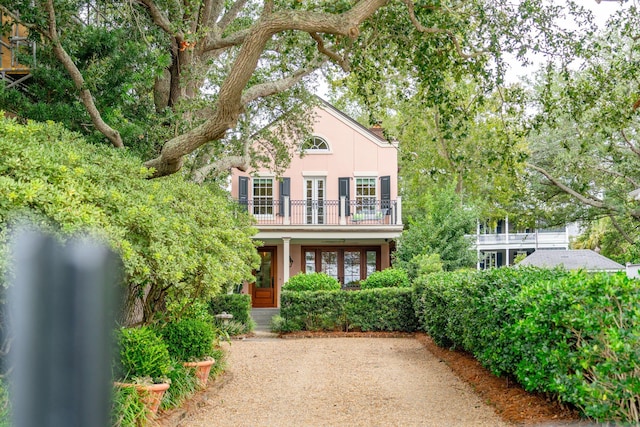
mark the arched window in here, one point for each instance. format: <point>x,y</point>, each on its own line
<point>315,144</point>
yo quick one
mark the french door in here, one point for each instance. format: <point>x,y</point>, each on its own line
<point>314,189</point>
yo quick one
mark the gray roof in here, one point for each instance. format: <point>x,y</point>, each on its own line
<point>571,260</point>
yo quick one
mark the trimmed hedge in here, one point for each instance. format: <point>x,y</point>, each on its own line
<point>575,335</point>
<point>387,278</point>
<point>237,304</point>
<point>387,309</point>
<point>311,282</point>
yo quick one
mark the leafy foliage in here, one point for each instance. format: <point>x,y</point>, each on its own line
<point>584,150</point>
<point>188,339</point>
<point>439,227</point>
<point>574,335</point>
<point>5,405</point>
<point>387,278</point>
<point>311,282</point>
<point>127,408</point>
<point>184,383</point>
<point>383,309</point>
<point>199,68</point>
<point>177,240</point>
<point>142,353</point>
<point>237,304</point>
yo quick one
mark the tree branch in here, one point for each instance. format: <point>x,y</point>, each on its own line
<point>585,200</point>
<point>231,14</point>
<point>620,230</point>
<point>228,107</point>
<point>344,64</point>
<point>630,144</point>
<point>429,30</point>
<point>17,19</point>
<point>266,89</point>
<point>619,175</point>
<point>75,74</point>
<point>158,18</point>
<point>235,39</point>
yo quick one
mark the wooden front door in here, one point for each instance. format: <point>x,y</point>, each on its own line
<point>263,291</point>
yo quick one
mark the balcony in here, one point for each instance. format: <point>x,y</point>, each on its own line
<point>540,239</point>
<point>353,213</point>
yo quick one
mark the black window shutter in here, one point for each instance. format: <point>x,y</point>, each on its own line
<point>499,259</point>
<point>243,191</point>
<point>385,194</point>
<point>285,191</point>
<point>344,185</point>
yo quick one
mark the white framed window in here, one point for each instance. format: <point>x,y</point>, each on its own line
<point>315,144</point>
<point>365,195</point>
<point>263,196</point>
<point>490,260</point>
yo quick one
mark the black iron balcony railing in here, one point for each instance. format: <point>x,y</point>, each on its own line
<point>268,211</point>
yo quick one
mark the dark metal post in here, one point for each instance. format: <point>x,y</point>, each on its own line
<point>61,305</point>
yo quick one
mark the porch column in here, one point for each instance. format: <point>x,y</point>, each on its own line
<point>285,262</point>
<point>399,211</point>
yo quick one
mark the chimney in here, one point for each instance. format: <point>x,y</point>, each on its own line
<point>377,130</point>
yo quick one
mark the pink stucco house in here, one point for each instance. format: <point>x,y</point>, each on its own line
<point>336,209</point>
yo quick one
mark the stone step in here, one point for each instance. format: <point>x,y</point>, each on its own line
<point>262,317</point>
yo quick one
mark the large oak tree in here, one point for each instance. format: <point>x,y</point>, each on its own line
<point>181,75</point>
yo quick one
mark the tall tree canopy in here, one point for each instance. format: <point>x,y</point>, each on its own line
<point>584,139</point>
<point>172,76</point>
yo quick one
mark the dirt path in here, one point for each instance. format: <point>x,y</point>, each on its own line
<point>340,382</point>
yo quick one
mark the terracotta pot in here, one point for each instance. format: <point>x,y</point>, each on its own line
<point>150,394</point>
<point>202,370</point>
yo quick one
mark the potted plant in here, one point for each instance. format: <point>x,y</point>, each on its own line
<point>143,362</point>
<point>191,341</point>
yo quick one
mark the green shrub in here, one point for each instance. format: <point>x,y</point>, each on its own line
<point>574,335</point>
<point>233,328</point>
<point>311,282</point>
<point>188,340</point>
<point>175,238</point>
<point>142,353</point>
<point>387,278</point>
<point>5,405</point>
<point>184,384</point>
<point>388,309</point>
<point>127,408</point>
<point>384,309</point>
<point>237,304</point>
<point>579,338</point>
<point>313,310</point>
<point>220,356</point>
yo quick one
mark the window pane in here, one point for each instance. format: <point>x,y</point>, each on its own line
<point>371,262</point>
<point>351,267</point>
<point>310,261</point>
<point>263,196</point>
<point>315,143</point>
<point>330,263</point>
<point>365,195</point>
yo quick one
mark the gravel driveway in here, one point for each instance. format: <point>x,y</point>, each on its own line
<point>340,382</point>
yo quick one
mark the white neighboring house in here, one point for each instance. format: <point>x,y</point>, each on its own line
<point>498,244</point>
